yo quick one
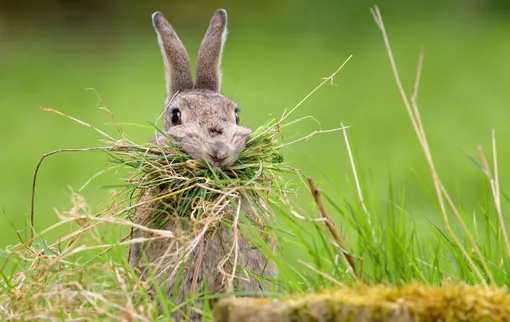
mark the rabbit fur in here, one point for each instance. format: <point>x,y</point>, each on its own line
<point>204,124</point>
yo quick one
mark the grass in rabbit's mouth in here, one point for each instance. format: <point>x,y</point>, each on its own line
<point>182,184</point>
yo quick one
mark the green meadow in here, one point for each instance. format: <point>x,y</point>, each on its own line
<point>402,237</point>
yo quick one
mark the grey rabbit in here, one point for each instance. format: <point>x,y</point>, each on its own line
<point>204,124</point>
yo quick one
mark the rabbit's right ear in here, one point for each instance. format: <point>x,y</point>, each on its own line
<point>177,66</point>
<point>209,55</point>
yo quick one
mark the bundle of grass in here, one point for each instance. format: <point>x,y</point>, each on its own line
<point>76,277</point>
<point>213,219</point>
<point>375,303</point>
<point>181,183</point>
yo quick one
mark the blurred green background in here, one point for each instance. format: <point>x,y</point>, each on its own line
<point>51,51</point>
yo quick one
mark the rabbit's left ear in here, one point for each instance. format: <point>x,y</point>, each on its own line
<point>209,56</point>
<point>177,66</point>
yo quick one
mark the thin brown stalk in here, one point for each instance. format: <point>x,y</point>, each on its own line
<point>316,193</point>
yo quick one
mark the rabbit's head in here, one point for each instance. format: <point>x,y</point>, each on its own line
<point>198,118</point>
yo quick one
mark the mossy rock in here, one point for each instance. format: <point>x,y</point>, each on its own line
<point>374,303</point>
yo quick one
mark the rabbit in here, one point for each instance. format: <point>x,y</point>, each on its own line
<point>204,124</point>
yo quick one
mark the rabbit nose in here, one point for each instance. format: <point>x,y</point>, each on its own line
<point>219,152</point>
<point>215,131</point>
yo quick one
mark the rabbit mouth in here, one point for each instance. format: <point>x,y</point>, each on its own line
<point>219,162</point>
<point>220,154</point>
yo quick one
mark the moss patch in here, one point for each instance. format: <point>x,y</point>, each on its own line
<point>375,303</point>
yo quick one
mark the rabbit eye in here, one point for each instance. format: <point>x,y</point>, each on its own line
<point>175,116</point>
<point>237,114</point>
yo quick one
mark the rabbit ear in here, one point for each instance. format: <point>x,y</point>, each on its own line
<point>177,66</point>
<point>209,56</point>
